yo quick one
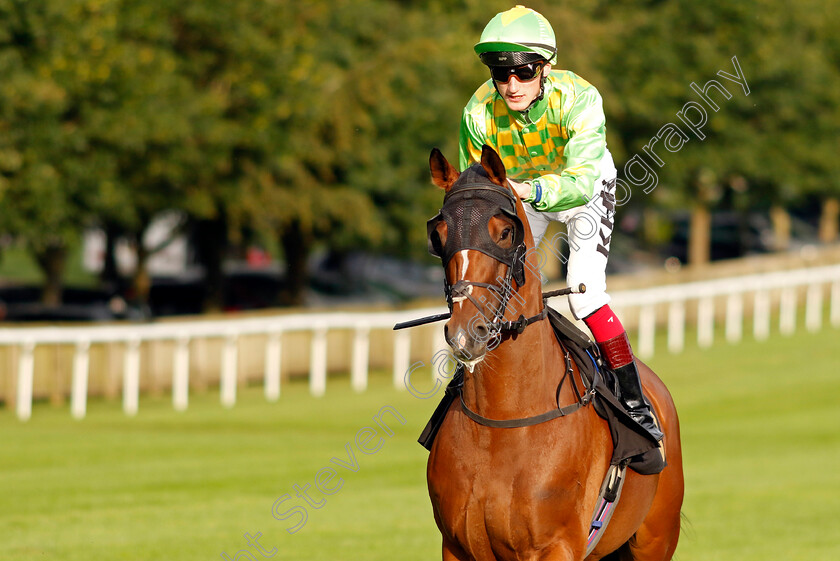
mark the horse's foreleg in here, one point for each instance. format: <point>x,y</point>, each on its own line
<point>562,552</point>
<point>653,542</point>
<point>451,552</point>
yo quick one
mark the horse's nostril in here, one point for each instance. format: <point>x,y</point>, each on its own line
<point>481,331</point>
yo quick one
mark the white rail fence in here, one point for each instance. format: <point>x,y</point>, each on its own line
<point>757,291</point>
<point>679,305</point>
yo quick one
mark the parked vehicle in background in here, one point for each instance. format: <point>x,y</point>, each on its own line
<point>735,235</point>
<point>22,303</point>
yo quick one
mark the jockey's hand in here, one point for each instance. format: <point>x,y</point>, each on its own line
<point>522,190</point>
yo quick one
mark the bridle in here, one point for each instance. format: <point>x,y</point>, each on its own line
<point>467,208</point>
<point>472,191</point>
<point>496,325</point>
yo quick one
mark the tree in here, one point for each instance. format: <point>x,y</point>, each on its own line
<point>51,58</point>
<point>771,129</point>
<point>352,122</point>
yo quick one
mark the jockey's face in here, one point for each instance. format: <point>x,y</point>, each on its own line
<point>518,95</point>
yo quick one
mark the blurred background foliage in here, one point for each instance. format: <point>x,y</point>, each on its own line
<point>307,125</point>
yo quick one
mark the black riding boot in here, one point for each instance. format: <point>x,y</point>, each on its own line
<point>632,397</point>
<point>619,357</point>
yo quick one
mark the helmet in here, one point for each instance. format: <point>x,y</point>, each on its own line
<point>517,36</point>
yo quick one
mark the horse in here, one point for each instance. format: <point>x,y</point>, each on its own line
<point>526,493</point>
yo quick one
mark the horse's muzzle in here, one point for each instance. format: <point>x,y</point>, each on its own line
<point>468,343</point>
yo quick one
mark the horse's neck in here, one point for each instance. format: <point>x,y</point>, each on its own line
<point>519,377</point>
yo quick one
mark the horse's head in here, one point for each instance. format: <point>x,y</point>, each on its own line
<point>481,235</point>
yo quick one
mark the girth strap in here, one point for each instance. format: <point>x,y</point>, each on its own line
<point>607,501</point>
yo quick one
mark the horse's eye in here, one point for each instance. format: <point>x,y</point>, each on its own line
<point>505,234</point>
<point>436,244</point>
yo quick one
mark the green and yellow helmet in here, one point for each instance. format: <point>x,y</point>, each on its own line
<point>517,36</point>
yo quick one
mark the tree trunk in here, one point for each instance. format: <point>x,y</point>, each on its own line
<point>707,193</point>
<point>141,281</point>
<point>699,236</point>
<point>296,244</point>
<point>780,219</point>
<point>211,241</point>
<point>651,227</point>
<point>110,275</point>
<point>52,261</point>
<point>830,220</point>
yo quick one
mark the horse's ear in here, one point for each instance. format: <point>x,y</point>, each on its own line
<point>444,174</point>
<point>492,164</point>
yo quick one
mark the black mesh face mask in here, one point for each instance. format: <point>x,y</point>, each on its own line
<point>467,210</point>
<point>472,200</point>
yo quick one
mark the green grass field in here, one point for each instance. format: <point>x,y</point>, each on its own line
<point>761,434</point>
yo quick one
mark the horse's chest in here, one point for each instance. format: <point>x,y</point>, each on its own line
<point>503,500</point>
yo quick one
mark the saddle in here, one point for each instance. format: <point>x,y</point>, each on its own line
<point>632,445</point>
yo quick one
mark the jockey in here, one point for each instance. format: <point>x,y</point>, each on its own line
<point>548,127</point>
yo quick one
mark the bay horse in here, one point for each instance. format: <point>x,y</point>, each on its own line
<point>526,493</point>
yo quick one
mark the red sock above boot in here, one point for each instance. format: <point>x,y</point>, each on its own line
<point>604,324</point>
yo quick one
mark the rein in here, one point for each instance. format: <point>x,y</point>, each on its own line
<point>517,325</point>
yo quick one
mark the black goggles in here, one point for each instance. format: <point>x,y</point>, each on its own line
<point>524,72</point>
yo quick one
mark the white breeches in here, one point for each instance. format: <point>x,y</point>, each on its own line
<point>588,233</point>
